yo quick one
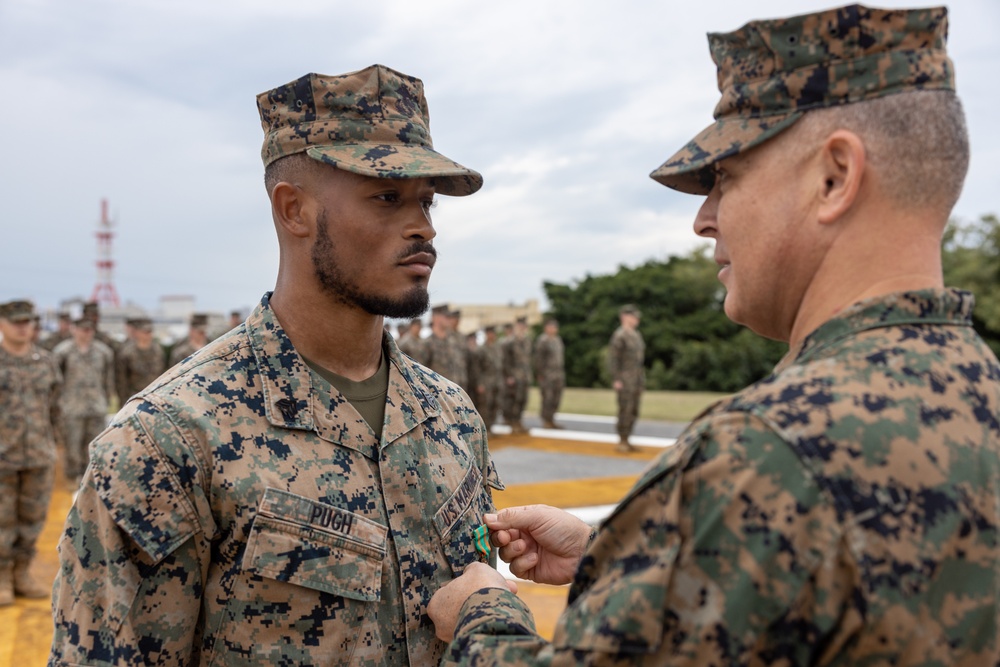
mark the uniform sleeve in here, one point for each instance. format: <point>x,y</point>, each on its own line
<point>109,374</point>
<point>725,553</point>
<point>121,375</point>
<point>134,552</point>
<point>55,391</point>
<point>615,357</point>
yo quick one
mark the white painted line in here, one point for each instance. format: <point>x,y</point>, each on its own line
<point>587,436</point>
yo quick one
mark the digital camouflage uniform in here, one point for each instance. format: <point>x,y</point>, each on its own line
<point>135,368</point>
<point>626,356</point>
<point>413,346</point>
<point>241,512</point>
<point>472,352</point>
<point>843,511</point>
<point>516,354</point>
<point>181,351</point>
<point>550,372</point>
<point>460,360</point>
<point>489,374</point>
<point>53,339</point>
<point>444,358</point>
<point>88,384</point>
<point>29,389</point>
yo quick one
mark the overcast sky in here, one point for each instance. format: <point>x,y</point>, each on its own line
<point>564,106</point>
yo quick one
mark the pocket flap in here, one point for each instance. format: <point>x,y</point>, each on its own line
<point>318,546</point>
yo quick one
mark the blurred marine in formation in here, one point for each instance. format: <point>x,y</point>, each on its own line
<point>411,343</point>
<point>139,361</point>
<point>516,349</point>
<point>88,370</point>
<point>29,389</point>
<point>443,355</point>
<point>489,376</point>
<point>550,371</point>
<point>295,491</point>
<point>626,359</point>
<point>64,332</point>
<point>197,338</point>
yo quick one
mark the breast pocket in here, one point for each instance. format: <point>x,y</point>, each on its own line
<point>457,520</point>
<point>311,571</point>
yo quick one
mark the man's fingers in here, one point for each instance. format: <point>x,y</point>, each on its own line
<point>513,550</point>
<point>520,518</point>
<point>522,567</point>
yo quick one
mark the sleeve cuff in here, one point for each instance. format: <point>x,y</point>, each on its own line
<point>494,611</point>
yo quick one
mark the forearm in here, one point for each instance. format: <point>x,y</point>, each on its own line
<point>496,628</point>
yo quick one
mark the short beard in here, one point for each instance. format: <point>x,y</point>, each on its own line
<point>412,304</point>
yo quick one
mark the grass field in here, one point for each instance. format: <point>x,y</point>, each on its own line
<point>674,406</point>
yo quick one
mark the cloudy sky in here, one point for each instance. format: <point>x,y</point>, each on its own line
<point>564,106</point>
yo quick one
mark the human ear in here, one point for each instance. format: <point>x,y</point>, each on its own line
<point>843,162</point>
<point>290,207</point>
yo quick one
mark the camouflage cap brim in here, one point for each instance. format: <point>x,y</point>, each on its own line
<point>771,72</point>
<point>17,311</point>
<point>689,170</point>
<point>400,161</point>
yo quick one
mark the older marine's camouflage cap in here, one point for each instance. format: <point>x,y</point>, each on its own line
<point>18,310</point>
<point>372,122</point>
<point>771,72</point>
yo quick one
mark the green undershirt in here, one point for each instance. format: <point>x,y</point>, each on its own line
<point>367,396</point>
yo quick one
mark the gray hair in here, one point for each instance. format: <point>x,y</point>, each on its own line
<point>916,141</point>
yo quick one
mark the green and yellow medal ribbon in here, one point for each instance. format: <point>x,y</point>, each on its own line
<point>482,538</point>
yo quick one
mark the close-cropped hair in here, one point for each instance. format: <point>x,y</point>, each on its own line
<point>289,168</point>
<point>916,141</point>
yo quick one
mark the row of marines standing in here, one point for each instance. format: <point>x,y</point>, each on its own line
<point>56,391</point>
<point>496,374</point>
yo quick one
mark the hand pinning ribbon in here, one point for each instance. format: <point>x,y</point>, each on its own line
<point>482,537</point>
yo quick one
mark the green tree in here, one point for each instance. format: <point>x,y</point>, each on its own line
<point>971,261</point>
<point>690,343</point>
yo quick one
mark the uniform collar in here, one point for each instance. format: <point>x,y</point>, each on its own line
<point>296,398</point>
<point>928,306</point>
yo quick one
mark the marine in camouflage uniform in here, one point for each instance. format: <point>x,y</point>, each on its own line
<point>197,338</point>
<point>62,333</point>
<point>626,359</point>
<point>88,372</point>
<point>410,343</point>
<point>489,376</point>
<point>92,312</point>
<point>459,351</point>
<point>244,509</point>
<point>472,368</point>
<point>516,351</point>
<point>846,509</point>
<point>440,350</point>
<point>139,361</point>
<point>29,388</point>
<point>550,371</point>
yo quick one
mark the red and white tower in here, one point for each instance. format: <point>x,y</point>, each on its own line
<point>104,291</point>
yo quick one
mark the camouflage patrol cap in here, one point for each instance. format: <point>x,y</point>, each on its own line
<point>142,324</point>
<point>629,309</point>
<point>372,122</point>
<point>18,310</point>
<point>199,320</point>
<point>771,72</point>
